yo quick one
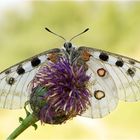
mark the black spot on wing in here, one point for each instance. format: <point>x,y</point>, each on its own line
<point>103,56</point>
<point>131,62</point>
<point>20,70</point>
<point>131,72</point>
<point>119,63</point>
<point>35,62</point>
<point>10,80</point>
<point>8,71</point>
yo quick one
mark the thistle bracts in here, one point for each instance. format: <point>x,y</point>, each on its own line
<point>65,92</point>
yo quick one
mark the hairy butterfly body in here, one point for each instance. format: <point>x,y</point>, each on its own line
<point>112,78</point>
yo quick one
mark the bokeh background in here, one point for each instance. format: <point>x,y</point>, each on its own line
<point>114,26</point>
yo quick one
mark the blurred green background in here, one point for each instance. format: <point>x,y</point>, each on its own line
<point>114,26</point>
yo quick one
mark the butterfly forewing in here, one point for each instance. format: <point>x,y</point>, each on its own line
<point>14,81</point>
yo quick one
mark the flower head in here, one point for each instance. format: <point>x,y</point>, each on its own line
<point>59,92</point>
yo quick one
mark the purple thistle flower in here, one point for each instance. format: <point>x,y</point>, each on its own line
<point>59,92</point>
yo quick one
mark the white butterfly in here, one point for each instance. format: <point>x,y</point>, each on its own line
<point>113,77</point>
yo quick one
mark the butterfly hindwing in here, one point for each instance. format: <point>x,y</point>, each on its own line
<point>14,81</point>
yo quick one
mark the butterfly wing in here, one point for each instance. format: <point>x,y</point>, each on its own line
<point>122,80</point>
<point>14,81</point>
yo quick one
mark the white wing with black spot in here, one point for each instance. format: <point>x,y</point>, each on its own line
<point>123,80</point>
<point>14,81</point>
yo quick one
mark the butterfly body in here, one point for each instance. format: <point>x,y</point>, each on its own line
<point>113,77</point>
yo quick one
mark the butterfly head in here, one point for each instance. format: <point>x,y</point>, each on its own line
<point>68,47</point>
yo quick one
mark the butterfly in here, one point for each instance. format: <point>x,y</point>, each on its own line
<point>113,77</point>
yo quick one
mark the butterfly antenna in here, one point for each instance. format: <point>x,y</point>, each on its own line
<point>55,33</point>
<point>79,34</point>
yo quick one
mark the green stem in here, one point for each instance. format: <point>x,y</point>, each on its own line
<point>28,121</point>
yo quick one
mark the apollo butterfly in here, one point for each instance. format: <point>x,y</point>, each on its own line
<point>113,77</point>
